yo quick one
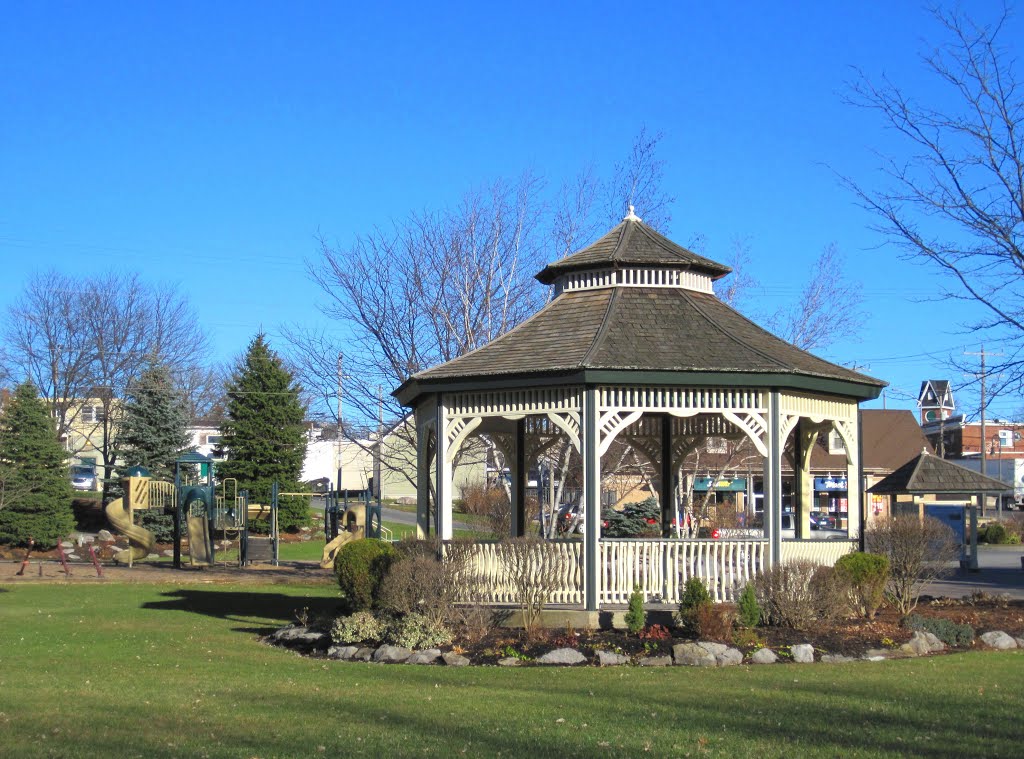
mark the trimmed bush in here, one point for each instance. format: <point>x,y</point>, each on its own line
<point>919,551</point>
<point>360,567</point>
<point>636,616</point>
<point>417,631</point>
<point>949,632</point>
<point>749,608</point>
<point>695,598</point>
<point>158,523</point>
<point>866,575</point>
<point>715,621</point>
<point>798,593</point>
<point>356,628</point>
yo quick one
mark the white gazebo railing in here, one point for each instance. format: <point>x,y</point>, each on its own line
<point>818,551</point>
<point>493,581</point>
<point>660,568</point>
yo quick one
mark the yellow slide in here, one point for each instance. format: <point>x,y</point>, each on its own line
<point>331,549</point>
<point>140,540</point>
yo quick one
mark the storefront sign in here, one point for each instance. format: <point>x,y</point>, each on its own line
<point>736,485</point>
<point>829,483</point>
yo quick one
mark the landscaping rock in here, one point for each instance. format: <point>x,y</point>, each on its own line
<point>1020,642</point>
<point>656,661</point>
<point>509,661</point>
<point>764,656</point>
<point>288,633</point>
<point>66,544</point>
<point>878,654</point>
<point>168,552</point>
<point>562,656</point>
<point>364,653</point>
<point>342,652</point>
<point>611,659</point>
<point>922,643</point>
<point>453,659</point>
<point>715,649</point>
<point>836,659</point>
<point>392,654</point>
<point>692,655</point>
<point>730,657</point>
<point>803,653</point>
<point>999,640</point>
<point>73,557</point>
<point>104,536</point>
<point>430,656</point>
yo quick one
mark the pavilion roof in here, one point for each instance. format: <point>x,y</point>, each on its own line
<point>633,243</point>
<point>640,329</point>
<point>928,474</point>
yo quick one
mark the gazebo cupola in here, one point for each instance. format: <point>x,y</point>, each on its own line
<point>635,347</point>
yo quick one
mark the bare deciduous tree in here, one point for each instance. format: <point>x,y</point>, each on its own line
<point>955,197</point>
<point>82,341</point>
<point>827,310</point>
<point>920,550</point>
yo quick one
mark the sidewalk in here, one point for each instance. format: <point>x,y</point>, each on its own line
<point>999,571</point>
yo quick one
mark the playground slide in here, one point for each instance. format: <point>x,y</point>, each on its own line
<point>140,540</point>
<point>331,549</point>
<point>198,541</point>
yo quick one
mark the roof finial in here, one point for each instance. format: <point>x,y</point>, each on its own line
<point>631,216</point>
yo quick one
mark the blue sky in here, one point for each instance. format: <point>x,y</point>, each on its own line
<point>208,143</point>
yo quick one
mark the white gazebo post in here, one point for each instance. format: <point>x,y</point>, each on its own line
<point>591,501</point>
<point>422,474</point>
<point>773,481</point>
<point>443,470</point>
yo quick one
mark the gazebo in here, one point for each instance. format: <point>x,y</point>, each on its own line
<point>635,347</point>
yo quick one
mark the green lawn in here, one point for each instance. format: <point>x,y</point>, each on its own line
<point>157,670</point>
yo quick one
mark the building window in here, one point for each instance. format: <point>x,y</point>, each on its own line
<point>92,414</point>
<point>716,445</point>
<point>835,443</point>
<point>213,439</point>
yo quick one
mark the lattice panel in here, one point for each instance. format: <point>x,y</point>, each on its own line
<point>816,408</point>
<point>514,404</point>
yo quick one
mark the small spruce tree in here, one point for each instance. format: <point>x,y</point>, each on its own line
<point>636,617</point>
<point>262,437</point>
<point>36,490</point>
<point>154,428</point>
<point>749,608</point>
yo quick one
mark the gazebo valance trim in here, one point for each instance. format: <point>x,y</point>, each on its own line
<point>412,389</point>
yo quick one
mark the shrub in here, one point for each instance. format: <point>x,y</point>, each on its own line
<point>866,575</point>
<point>360,567</point>
<point>356,628</point>
<point>715,621</point>
<point>158,523</point>
<point>1000,533</point>
<point>293,512</point>
<point>695,597</point>
<point>418,581</point>
<point>535,569</point>
<point>749,608</point>
<point>418,631</point>
<point>919,551</point>
<point>636,616</point>
<point>798,593</point>
<point>949,632</point>
<point>490,502</point>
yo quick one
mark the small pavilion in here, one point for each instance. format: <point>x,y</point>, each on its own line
<point>635,347</point>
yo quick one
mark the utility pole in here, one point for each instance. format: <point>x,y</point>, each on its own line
<point>377,475</point>
<point>984,443</point>
<point>341,378</point>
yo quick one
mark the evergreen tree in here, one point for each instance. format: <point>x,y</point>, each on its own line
<point>262,436</point>
<point>154,427</point>
<point>36,500</point>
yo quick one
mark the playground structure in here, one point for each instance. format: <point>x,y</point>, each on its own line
<point>199,512</point>
<point>345,522</point>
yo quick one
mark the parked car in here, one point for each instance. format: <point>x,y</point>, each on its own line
<point>570,519</point>
<point>84,478</point>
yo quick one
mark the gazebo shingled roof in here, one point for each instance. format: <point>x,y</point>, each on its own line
<point>633,243</point>
<point>928,474</point>
<point>685,332</point>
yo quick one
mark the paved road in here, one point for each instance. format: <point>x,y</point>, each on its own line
<point>396,515</point>
<point>999,571</point>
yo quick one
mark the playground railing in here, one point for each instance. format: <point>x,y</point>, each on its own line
<point>162,495</point>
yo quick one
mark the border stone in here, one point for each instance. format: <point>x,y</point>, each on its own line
<point>692,655</point>
<point>430,656</point>
<point>803,653</point>
<point>998,640</point>
<point>392,654</point>
<point>363,653</point>
<point>655,661</point>
<point>453,659</point>
<point>611,659</point>
<point>563,657</point>
<point>730,657</point>
<point>836,659</point>
<point>764,656</point>
<point>342,652</point>
<point>509,661</point>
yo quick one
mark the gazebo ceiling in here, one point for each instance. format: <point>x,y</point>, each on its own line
<point>612,332</point>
